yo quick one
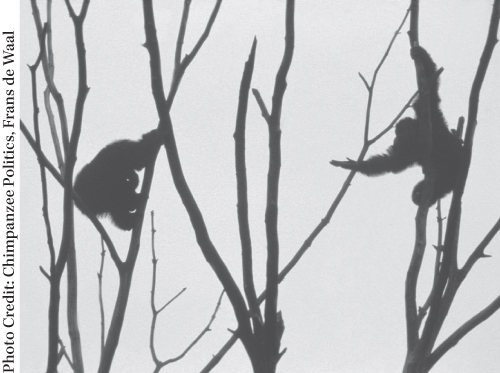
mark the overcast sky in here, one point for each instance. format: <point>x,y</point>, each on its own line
<point>343,305</point>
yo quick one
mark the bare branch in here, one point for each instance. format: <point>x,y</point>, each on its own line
<point>197,221</point>
<point>478,252</point>
<point>261,104</point>
<point>491,41</point>
<point>365,82</point>
<point>155,317</point>
<point>309,240</point>
<point>242,192</point>
<point>49,166</point>
<point>44,272</point>
<point>181,34</point>
<point>101,300</point>
<point>46,93</point>
<point>171,300</point>
<point>49,76</point>
<point>437,265</point>
<point>271,326</point>
<point>461,332</point>
<point>395,120</point>
<point>413,32</point>
<point>425,142</point>
<point>400,114</point>
<point>460,127</point>
<point>45,199</point>
<point>181,66</point>
<point>371,87</point>
<point>189,57</point>
<point>195,341</point>
<point>153,295</point>
<point>65,354</point>
<point>449,279</point>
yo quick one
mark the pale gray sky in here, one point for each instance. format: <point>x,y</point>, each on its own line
<point>343,305</point>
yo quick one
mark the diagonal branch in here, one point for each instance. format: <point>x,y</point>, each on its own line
<point>181,66</point>
<point>478,252</point>
<point>461,332</point>
<point>371,87</point>
<point>189,57</point>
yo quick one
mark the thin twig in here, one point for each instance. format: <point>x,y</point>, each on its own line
<point>153,295</point>
<point>478,252</point>
<point>65,354</point>
<point>262,105</point>
<point>159,366</point>
<point>101,300</point>
<point>371,86</point>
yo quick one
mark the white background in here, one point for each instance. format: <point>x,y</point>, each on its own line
<point>343,305</point>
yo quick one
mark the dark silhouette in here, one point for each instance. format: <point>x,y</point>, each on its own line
<point>406,152</point>
<point>107,185</point>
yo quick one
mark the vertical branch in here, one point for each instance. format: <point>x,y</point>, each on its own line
<point>72,310</point>
<point>166,127</point>
<point>271,319</point>
<point>58,98</point>
<point>126,271</point>
<point>425,141</point>
<point>437,265</point>
<point>413,32</point>
<point>54,297</point>
<point>43,176</point>
<point>491,41</point>
<point>241,177</point>
<point>67,241</point>
<point>412,320</point>
<point>324,221</point>
<point>438,313</point>
<point>101,300</point>
<point>449,279</point>
<point>153,294</point>
<point>46,93</point>
<point>67,252</point>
